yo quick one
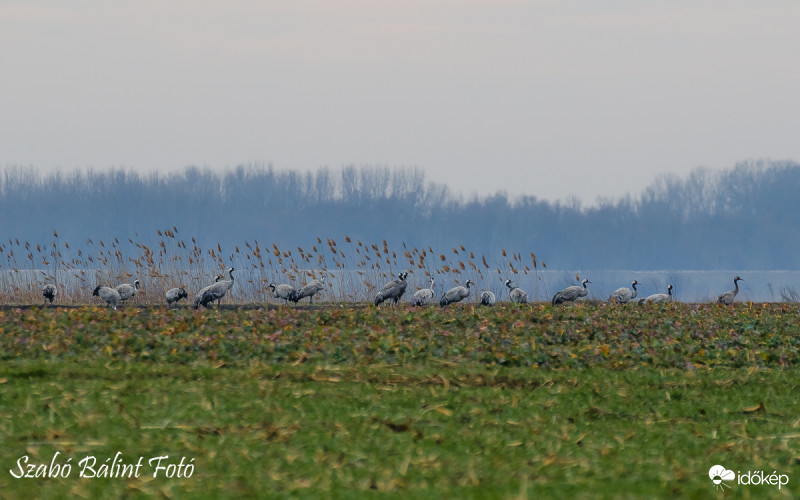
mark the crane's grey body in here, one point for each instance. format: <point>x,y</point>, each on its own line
<point>393,290</point>
<point>624,295</point>
<point>658,298</point>
<point>456,294</point>
<point>126,290</point>
<point>311,289</point>
<point>109,295</point>
<point>174,295</point>
<point>425,296</point>
<point>49,292</point>
<point>214,292</point>
<point>727,297</point>
<point>516,294</point>
<point>203,290</point>
<point>488,298</point>
<point>285,292</point>
<point>571,293</point>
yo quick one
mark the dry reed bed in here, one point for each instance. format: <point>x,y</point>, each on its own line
<point>354,270</point>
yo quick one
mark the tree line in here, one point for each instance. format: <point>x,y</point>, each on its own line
<point>744,217</point>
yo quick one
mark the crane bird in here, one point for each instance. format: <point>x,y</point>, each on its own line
<point>174,295</point>
<point>658,298</point>
<point>424,296</point>
<point>126,290</point>
<point>203,290</point>
<point>110,295</point>
<point>571,293</point>
<point>214,292</point>
<point>727,297</point>
<point>49,292</point>
<point>516,294</point>
<point>311,289</point>
<point>488,298</point>
<point>393,290</point>
<point>624,295</point>
<point>285,292</point>
<point>456,294</point>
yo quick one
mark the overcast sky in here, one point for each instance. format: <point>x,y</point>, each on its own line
<point>547,98</point>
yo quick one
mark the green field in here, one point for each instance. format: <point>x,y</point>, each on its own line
<point>532,401</point>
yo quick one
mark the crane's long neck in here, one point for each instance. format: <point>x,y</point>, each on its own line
<point>635,291</point>
<point>736,287</point>
<point>229,282</point>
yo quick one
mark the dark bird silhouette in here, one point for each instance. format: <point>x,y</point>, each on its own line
<point>49,292</point>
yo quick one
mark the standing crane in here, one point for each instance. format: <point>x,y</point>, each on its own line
<point>456,294</point>
<point>516,294</point>
<point>624,295</point>
<point>727,297</point>
<point>392,290</point>
<point>109,295</point>
<point>571,293</point>
<point>214,292</point>
<point>174,295</point>
<point>311,289</point>
<point>285,292</point>
<point>424,296</point>
<point>126,290</point>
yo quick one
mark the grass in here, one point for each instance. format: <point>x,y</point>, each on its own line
<point>583,401</point>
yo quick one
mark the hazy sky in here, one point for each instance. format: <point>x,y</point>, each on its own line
<point>548,98</point>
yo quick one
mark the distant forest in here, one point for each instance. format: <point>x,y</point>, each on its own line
<point>744,218</point>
